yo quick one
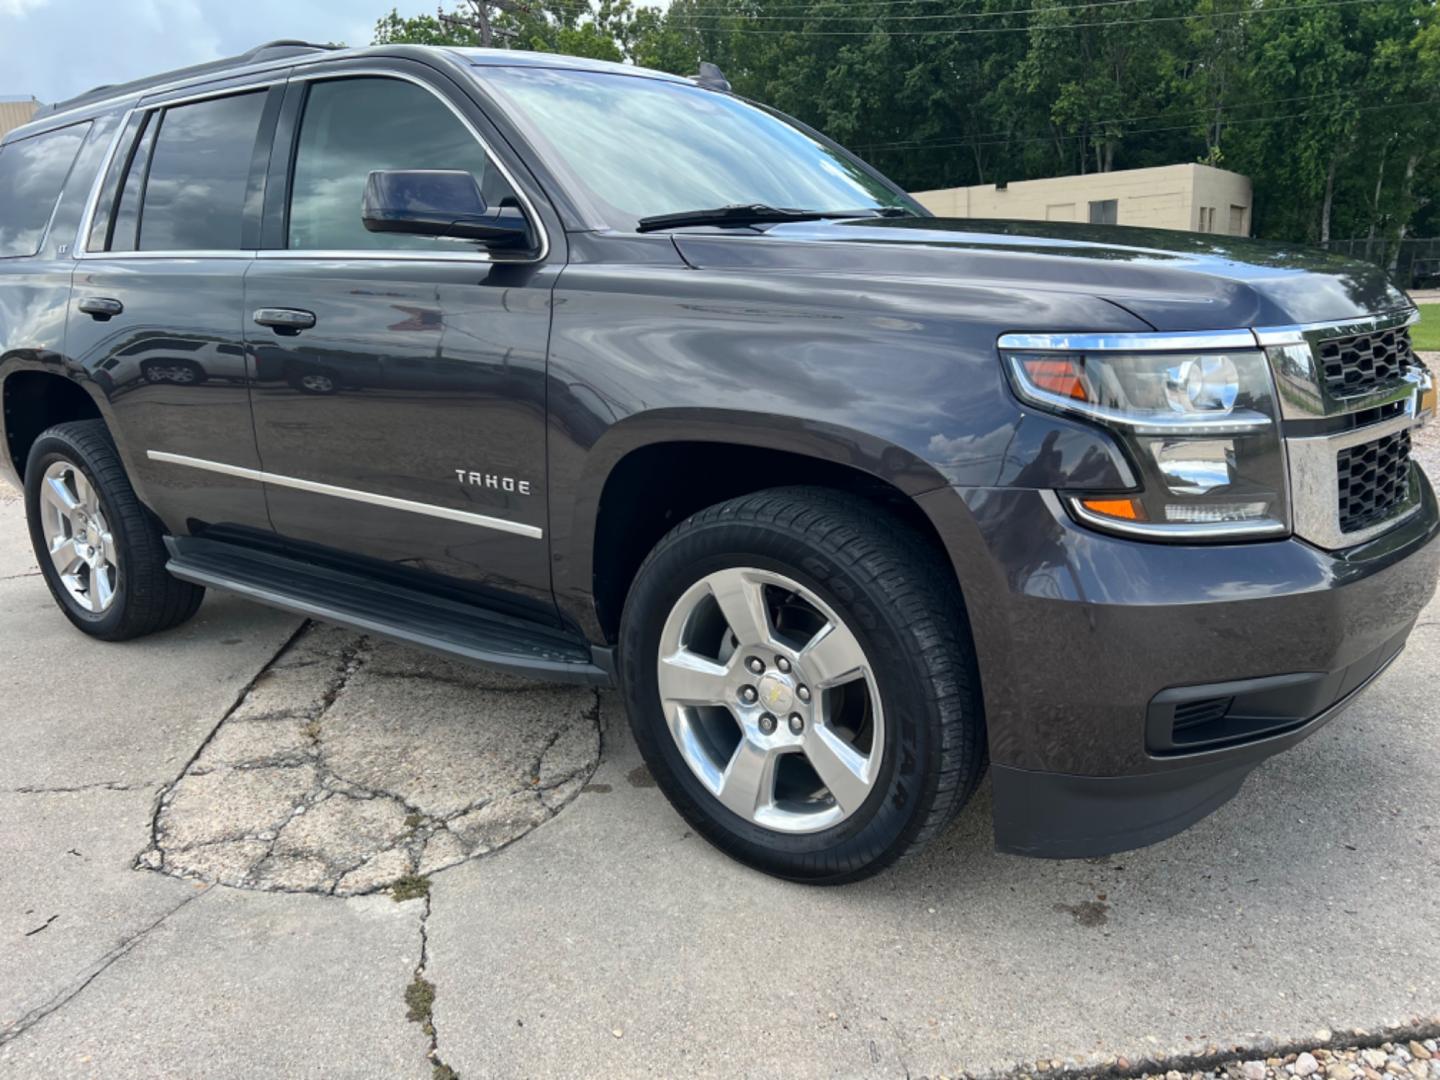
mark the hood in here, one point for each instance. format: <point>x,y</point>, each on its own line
<point>1171,280</point>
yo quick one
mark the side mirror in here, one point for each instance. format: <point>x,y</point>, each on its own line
<point>439,202</point>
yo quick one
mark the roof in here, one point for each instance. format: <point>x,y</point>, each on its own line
<point>524,58</point>
<point>275,54</point>
<point>271,50</point>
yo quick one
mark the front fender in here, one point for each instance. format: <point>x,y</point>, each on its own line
<point>895,376</point>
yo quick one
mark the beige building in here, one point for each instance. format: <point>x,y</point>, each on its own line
<point>15,113</point>
<point>1196,198</point>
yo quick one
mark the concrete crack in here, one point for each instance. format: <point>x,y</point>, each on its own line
<point>65,996</point>
<point>99,785</point>
<point>42,926</point>
<point>420,998</point>
<point>240,697</point>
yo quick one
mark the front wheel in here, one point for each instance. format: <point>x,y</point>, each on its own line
<point>801,683</point>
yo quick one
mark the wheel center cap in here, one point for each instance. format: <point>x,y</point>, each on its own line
<point>776,694</point>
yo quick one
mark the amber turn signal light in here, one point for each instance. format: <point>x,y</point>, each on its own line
<point>1058,375</point>
<point>1124,509</point>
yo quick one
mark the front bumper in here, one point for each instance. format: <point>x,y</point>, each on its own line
<point>1090,645</point>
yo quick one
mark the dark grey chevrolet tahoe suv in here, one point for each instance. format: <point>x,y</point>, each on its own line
<point>603,375</point>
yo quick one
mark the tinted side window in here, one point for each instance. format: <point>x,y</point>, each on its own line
<point>353,126</point>
<point>32,172</point>
<point>194,193</point>
<point>127,210</point>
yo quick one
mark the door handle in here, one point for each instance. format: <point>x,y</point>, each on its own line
<point>284,320</point>
<point>101,308</point>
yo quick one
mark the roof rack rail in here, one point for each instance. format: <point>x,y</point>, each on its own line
<point>271,50</point>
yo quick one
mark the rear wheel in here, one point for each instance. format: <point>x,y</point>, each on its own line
<point>100,551</point>
<point>800,682</point>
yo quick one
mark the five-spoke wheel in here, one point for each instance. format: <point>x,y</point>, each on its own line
<point>78,537</point>
<point>770,700</point>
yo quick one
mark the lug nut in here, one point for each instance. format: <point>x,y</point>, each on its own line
<point>803,693</point>
<point>756,665</point>
<point>767,724</point>
<point>797,723</point>
<point>782,664</point>
<point>748,694</point>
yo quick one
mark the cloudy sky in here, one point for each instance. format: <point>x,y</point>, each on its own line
<point>54,49</point>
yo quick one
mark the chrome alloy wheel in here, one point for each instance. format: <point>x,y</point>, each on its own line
<point>771,700</point>
<point>78,537</point>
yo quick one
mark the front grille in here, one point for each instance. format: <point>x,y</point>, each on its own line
<point>1374,480</point>
<point>1359,364</point>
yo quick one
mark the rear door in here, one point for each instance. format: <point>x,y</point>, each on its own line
<point>156,307</point>
<point>403,420</point>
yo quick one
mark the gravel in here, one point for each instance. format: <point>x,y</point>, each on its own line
<point>1399,1059</point>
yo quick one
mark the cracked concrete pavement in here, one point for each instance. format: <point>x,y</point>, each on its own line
<point>581,929</point>
<point>350,764</point>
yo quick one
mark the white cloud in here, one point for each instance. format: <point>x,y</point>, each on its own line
<point>19,7</point>
<point>55,50</point>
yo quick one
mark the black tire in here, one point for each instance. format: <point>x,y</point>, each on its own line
<point>147,599</point>
<point>899,597</point>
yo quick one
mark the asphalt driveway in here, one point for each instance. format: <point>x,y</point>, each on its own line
<point>204,836</point>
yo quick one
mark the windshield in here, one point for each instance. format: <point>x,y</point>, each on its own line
<point>639,147</point>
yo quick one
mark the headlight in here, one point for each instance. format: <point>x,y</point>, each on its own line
<point>1200,427</point>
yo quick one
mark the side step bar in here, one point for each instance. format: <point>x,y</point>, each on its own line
<point>457,629</point>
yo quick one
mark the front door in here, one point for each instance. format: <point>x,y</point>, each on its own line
<point>156,310</point>
<point>400,380</point>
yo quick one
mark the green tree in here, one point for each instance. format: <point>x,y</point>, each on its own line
<point>547,27</point>
<point>1332,107</point>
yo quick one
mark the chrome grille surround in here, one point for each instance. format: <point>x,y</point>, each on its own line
<point>1297,359</point>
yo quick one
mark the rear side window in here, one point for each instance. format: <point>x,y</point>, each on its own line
<point>353,126</point>
<point>194,187</point>
<point>127,211</point>
<point>32,172</point>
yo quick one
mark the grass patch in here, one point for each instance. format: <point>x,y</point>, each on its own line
<point>1426,335</point>
<point>410,887</point>
<point>419,1000</point>
<point>444,1072</point>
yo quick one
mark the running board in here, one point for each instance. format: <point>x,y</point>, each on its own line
<point>457,629</point>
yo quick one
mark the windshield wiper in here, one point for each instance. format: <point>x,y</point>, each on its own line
<point>737,214</point>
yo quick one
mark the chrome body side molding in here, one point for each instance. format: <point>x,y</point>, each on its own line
<point>484,521</point>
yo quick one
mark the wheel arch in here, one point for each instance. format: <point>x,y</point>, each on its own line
<point>652,470</point>
<point>35,396</point>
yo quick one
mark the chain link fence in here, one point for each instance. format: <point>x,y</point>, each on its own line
<point>1414,262</point>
